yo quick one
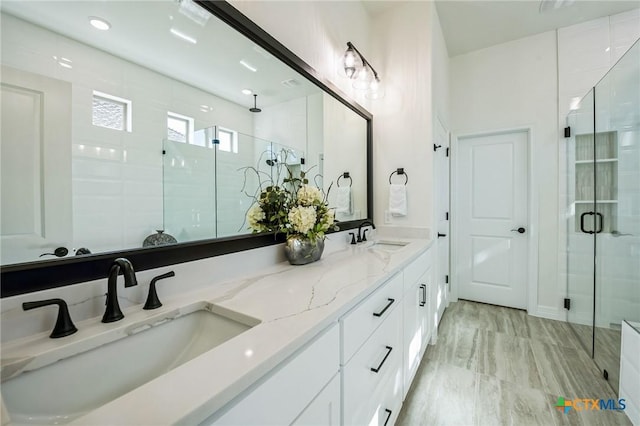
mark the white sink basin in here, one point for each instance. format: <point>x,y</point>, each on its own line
<point>67,389</point>
<point>387,245</point>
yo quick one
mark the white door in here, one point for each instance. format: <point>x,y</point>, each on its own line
<point>35,152</point>
<point>491,215</point>
<point>441,166</point>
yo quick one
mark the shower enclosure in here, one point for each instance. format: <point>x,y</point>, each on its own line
<point>210,182</point>
<point>603,213</point>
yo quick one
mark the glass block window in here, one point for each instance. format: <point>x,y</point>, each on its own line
<point>111,112</point>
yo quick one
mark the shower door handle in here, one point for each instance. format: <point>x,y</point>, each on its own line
<point>582,216</point>
<point>600,222</point>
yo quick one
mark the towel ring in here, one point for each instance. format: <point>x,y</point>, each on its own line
<point>399,171</point>
<point>346,176</point>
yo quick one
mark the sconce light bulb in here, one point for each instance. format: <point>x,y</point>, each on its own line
<point>375,84</point>
<point>363,79</point>
<point>351,62</point>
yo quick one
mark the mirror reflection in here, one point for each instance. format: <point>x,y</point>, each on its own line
<point>121,119</point>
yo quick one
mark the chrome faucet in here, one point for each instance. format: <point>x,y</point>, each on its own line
<point>113,312</point>
<point>362,236</point>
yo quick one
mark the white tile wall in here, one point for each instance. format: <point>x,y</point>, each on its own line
<point>118,175</point>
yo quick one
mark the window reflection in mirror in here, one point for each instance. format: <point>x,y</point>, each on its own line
<point>130,149</point>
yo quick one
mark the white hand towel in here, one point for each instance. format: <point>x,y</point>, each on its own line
<point>344,203</point>
<point>398,200</point>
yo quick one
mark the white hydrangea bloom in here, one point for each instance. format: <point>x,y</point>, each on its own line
<point>307,195</point>
<point>329,218</point>
<point>255,215</point>
<point>302,218</point>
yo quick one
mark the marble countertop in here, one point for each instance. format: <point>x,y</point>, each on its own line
<point>292,303</point>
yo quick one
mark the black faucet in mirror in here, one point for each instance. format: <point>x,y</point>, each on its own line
<point>362,234</point>
<point>113,313</point>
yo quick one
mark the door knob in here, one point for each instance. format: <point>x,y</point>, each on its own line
<point>520,230</point>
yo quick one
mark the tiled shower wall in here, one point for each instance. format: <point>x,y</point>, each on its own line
<point>117,175</point>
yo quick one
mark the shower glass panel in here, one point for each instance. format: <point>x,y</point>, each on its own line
<point>580,221</point>
<point>189,183</point>
<point>617,180</point>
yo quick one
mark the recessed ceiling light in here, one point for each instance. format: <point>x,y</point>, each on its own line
<point>63,62</point>
<point>99,23</point>
<point>246,91</point>
<point>248,66</point>
<point>183,36</point>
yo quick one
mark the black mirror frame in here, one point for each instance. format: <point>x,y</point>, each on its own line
<point>30,277</point>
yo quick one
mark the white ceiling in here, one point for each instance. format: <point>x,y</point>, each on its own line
<point>476,24</point>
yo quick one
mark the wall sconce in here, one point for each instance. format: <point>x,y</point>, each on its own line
<point>358,69</point>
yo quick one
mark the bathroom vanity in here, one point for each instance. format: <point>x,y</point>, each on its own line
<point>334,342</point>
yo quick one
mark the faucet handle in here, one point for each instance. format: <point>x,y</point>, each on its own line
<point>353,238</point>
<point>364,234</point>
<point>152,298</point>
<point>64,326</point>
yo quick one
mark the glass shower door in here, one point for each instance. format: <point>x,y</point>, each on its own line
<point>617,179</point>
<point>580,216</point>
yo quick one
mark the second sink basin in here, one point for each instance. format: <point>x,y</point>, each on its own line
<point>74,386</point>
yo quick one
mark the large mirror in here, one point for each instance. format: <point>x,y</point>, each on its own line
<point>122,119</point>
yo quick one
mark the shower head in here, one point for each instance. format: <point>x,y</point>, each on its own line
<point>255,107</point>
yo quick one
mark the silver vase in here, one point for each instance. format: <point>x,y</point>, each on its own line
<point>301,250</point>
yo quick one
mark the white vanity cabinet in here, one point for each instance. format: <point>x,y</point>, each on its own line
<point>302,391</point>
<point>418,306</point>
<point>358,371</point>
<point>372,377</point>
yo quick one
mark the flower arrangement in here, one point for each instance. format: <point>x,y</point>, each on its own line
<point>295,208</point>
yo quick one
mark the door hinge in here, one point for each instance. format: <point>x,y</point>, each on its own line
<point>164,152</point>
<point>302,160</point>
<point>446,279</point>
<point>446,216</point>
<point>447,151</point>
<point>567,304</point>
<point>605,374</point>
<point>567,132</point>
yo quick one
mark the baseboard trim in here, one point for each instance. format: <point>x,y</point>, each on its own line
<point>549,312</point>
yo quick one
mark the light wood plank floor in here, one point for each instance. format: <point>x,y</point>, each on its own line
<point>500,366</point>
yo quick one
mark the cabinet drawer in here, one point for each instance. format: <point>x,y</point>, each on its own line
<point>280,398</point>
<point>416,269</point>
<point>382,352</point>
<point>358,324</point>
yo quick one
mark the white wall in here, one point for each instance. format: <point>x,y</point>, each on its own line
<point>531,82</point>
<point>514,85</point>
<point>403,119</point>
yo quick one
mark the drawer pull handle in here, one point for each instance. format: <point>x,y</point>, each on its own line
<point>389,349</point>
<point>424,294</point>
<point>388,416</point>
<point>379,314</point>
